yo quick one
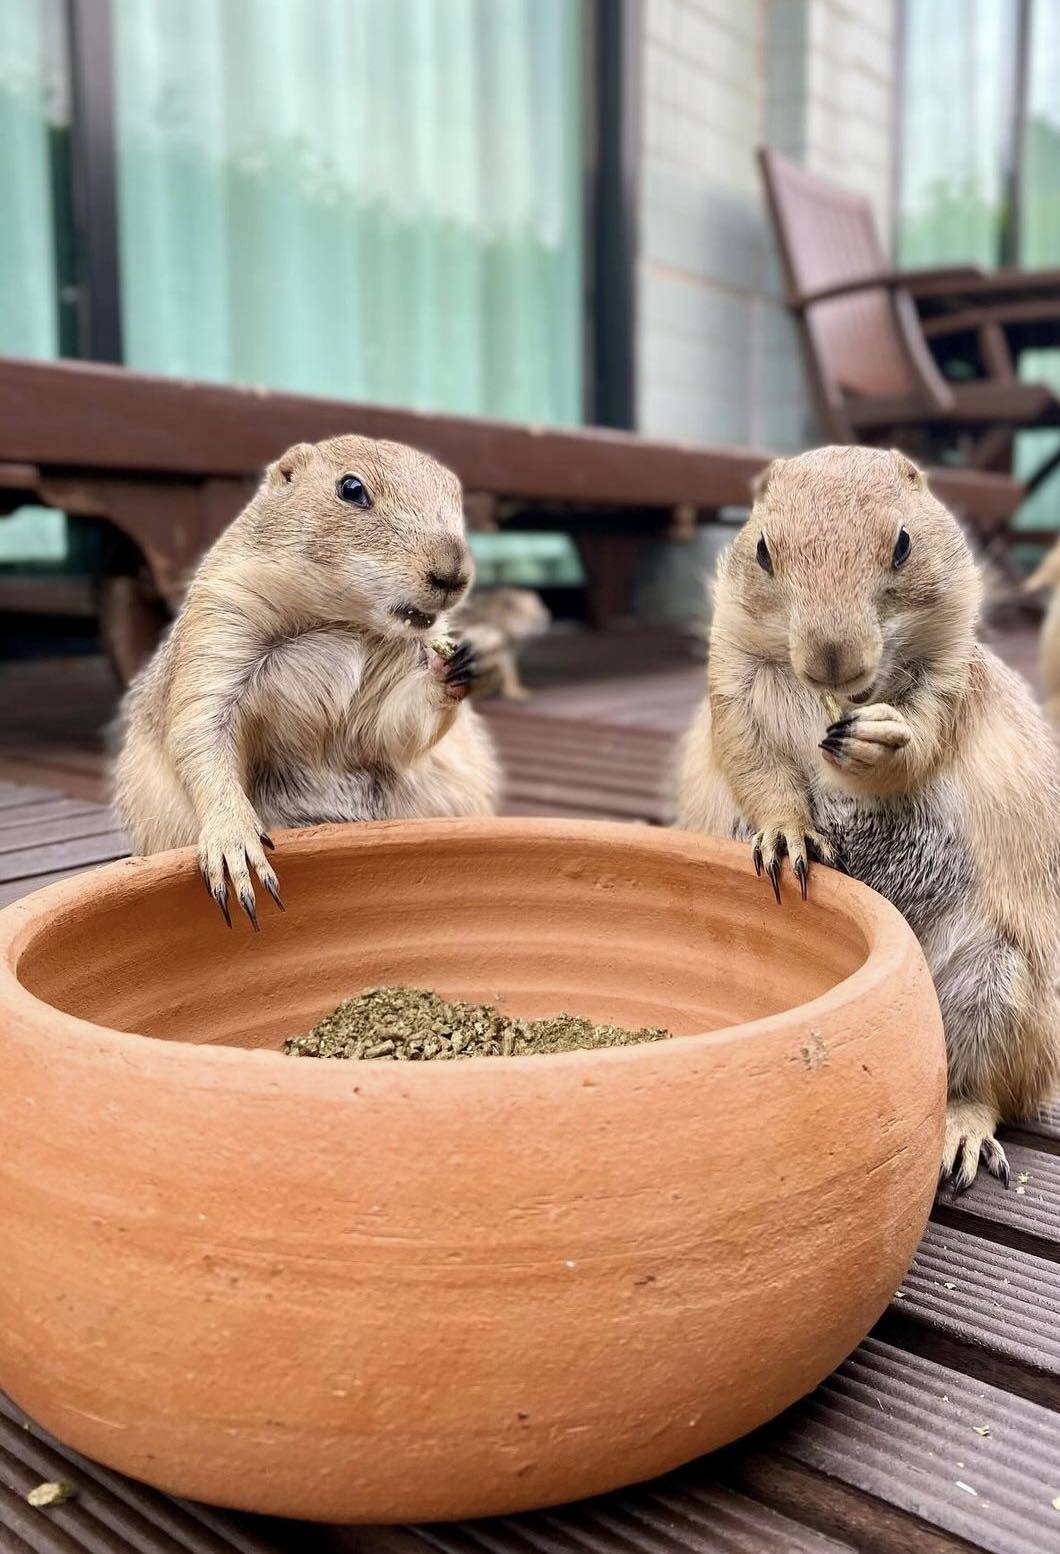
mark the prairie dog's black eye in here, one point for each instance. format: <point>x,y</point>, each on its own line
<point>902,546</point>
<point>764,559</point>
<point>351,489</point>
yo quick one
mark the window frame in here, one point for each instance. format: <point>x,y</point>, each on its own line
<point>610,156</point>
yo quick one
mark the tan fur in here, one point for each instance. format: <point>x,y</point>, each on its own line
<point>946,760</point>
<point>293,688</point>
<point>1047,575</point>
<point>495,621</point>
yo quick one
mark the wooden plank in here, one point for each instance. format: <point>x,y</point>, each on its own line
<point>92,417</point>
<point>700,1518</point>
<point>96,418</point>
<point>25,768</point>
<point>565,799</point>
<point>566,739</point>
<point>1040,1132</point>
<point>988,1310</point>
<point>57,808</point>
<point>14,795</point>
<point>1027,1219</point>
<point>29,862</point>
<point>886,1451</point>
<point>611,761</point>
<point>110,1514</point>
<point>14,890</point>
<point>41,830</point>
<point>562,762</point>
<point>539,808</point>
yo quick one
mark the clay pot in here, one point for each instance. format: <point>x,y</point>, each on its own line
<point>376,1292</point>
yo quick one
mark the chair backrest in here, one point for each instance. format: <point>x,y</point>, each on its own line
<point>827,234</point>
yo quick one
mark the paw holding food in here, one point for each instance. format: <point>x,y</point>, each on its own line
<point>453,665</point>
<point>865,738</point>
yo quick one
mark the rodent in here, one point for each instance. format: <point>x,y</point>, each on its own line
<point>495,621</point>
<point>297,684</point>
<point>1047,575</point>
<point>939,786</point>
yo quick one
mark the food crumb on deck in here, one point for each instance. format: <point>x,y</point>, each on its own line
<point>49,1494</point>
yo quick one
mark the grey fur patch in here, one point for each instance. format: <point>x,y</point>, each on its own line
<point>286,796</point>
<point>980,980</point>
<point>912,850</point>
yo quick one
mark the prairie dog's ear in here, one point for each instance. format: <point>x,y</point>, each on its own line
<point>760,483</point>
<point>289,464</point>
<point>910,473</point>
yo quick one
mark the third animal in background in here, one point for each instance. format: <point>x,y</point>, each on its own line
<point>497,622</point>
<point>1047,575</point>
<point>852,715</point>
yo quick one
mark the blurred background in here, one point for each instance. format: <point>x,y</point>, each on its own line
<point>547,211</point>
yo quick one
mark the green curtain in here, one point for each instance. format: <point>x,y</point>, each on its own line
<point>28,294</point>
<point>959,83</point>
<point>374,199</point>
<point>958,75</point>
<point>1040,235</point>
<point>28,289</point>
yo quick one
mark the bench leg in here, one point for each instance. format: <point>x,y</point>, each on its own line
<point>610,564</point>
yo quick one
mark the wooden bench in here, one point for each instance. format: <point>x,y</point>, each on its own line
<point>150,470</point>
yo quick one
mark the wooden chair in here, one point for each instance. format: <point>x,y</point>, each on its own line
<point>867,347</point>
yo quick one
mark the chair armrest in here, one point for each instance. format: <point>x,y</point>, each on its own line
<point>917,282</point>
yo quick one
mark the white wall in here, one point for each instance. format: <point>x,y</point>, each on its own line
<point>717,358</point>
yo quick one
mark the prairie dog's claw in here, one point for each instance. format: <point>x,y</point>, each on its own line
<point>795,842</point>
<point>230,848</point>
<point>246,901</point>
<point>969,1140</point>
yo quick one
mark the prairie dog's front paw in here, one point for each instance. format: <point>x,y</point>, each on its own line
<point>970,1139</point>
<point>800,843</point>
<point>230,845</point>
<point>453,666</point>
<point>866,739</point>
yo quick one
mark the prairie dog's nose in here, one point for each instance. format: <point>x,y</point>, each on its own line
<point>834,665</point>
<point>448,582</point>
<point>449,571</point>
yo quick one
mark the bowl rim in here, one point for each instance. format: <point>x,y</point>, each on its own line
<point>890,942</point>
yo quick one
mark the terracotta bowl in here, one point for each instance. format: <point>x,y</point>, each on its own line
<point>379,1292</point>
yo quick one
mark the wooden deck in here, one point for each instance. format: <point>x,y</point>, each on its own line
<point>940,1434</point>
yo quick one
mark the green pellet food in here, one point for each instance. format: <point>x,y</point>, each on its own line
<point>410,1024</point>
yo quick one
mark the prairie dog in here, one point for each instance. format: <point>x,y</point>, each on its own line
<point>938,785</point>
<point>494,621</point>
<point>1047,575</point>
<point>298,684</point>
